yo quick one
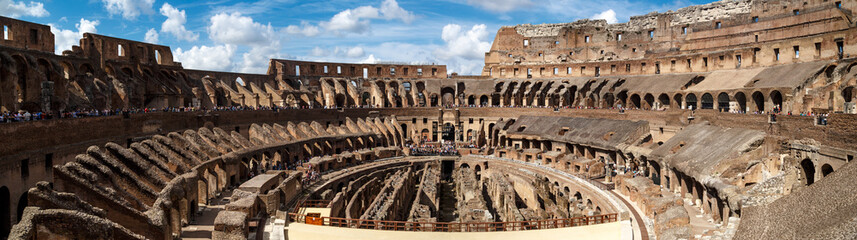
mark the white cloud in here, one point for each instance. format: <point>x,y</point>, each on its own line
<point>500,5</point>
<point>240,30</point>
<point>355,52</point>
<point>305,29</point>
<point>390,10</point>
<point>175,23</point>
<point>357,20</point>
<point>370,60</point>
<point>152,36</point>
<point>17,9</point>
<point>608,15</point>
<point>470,45</point>
<point>215,58</point>
<point>129,9</point>
<point>257,59</point>
<point>318,52</point>
<point>65,39</point>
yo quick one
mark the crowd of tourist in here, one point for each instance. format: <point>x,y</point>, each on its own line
<point>25,116</point>
<point>446,148</point>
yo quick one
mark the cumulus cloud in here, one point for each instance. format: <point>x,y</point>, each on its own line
<point>608,15</point>
<point>64,39</point>
<point>471,44</point>
<point>233,28</point>
<point>129,9</point>
<point>370,60</point>
<point>152,36</point>
<point>357,20</point>
<point>390,10</point>
<point>257,59</point>
<point>17,9</point>
<point>175,22</point>
<point>354,52</point>
<point>304,29</point>
<point>238,30</point>
<point>215,58</point>
<point>500,6</point>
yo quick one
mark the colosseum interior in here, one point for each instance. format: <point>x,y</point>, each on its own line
<point>733,119</point>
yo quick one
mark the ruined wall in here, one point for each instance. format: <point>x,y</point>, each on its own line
<point>26,35</point>
<point>720,35</point>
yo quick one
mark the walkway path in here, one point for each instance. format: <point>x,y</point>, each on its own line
<point>203,224</point>
<point>641,226</point>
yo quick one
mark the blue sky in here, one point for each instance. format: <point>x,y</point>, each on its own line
<point>234,35</point>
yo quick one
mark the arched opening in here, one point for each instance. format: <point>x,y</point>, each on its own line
<point>664,100</point>
<point>425,135</point>
<point>707,101</point>
<point>404,130</point>
<point>483,100</point>
<point>609,100</point>
<point>690,100</point>
<point>677,98</point>
<point>759,100</point>
<point>622,98</point>
<point>340,100</point>
<point>650,101</point>
<point>635,101</point>
<point>826,169</point>
<point>433,100</point>
<point>723,102</point>
<point>777,100</point>
<point>364,99</point>
<point>741,99</point>
<point>848,93</point>
<point>447,96</point>
<point>808,168</point>
<point>5,215</point>
<point>448,132</point>
<point>471,100</point>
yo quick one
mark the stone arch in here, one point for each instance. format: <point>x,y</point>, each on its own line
<point>447,96</point>
<point>808,168</point>
<point>828,71</point>
<point>759,100</point>
<point>678,99</point>
<point>707,101</point>
<point>650,101</point>
<point>741,99</point>
<point>483,100</point>
<point>777,99</point>
<point>365,99</point>
<point>622,98</point>
<point>67,71</point>
<point>723,102</point>
<point>109,70</point>
<point>340,100</point>
<point>471,100</point>
<point>690,100</point>
<point>826,169</point>
<point>635,101</point>
<point>609,100</point>
<point>664,100</point>
<point>86,69</point>
<point>849,94</point>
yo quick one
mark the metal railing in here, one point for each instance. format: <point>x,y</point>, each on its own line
<point>454,226</point>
